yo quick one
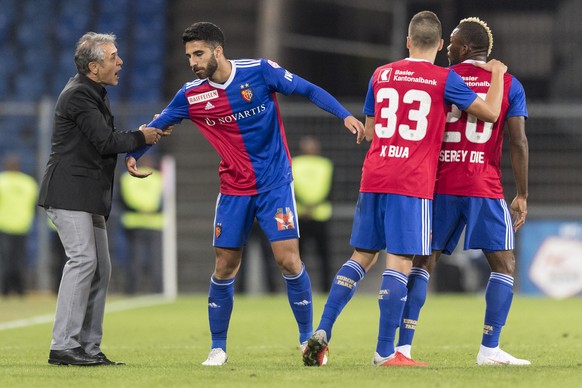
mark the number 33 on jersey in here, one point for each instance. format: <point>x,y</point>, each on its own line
<point>409,100</point>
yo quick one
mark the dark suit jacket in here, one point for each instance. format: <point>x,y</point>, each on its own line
<point>85,143</point>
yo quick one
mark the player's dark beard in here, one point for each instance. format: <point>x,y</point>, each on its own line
<point>210,69</point>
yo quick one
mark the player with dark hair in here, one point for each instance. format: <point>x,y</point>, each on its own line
<point>469,194</point>
<point>406,108</point>
<point>234,105</point>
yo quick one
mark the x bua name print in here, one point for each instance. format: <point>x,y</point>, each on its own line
<point>394,151</point>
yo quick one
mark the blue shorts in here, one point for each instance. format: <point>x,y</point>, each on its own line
<point>274,210</point>
<point>397,223</point>
<point>487,223</point>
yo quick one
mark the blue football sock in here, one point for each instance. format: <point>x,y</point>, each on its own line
<point>417,289</point>
<point>342,289</point>
<point>299,295</point>
<point>498,297</point>
<point>391,300</point>
<point>220,303</point>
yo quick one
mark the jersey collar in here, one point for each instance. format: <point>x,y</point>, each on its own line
<point>472,61</point>
<point>417,60</point>
<point>228,81</point>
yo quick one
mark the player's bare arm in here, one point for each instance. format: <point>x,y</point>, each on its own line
<point>489,108</point>
<point>519,155</point>
<point>356,127</point>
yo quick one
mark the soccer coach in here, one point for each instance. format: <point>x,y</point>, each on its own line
<point>76,192</point>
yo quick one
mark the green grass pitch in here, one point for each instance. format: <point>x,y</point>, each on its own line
<point>164,344</point>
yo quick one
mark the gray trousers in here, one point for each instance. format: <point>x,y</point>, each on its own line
<point>86,275</point>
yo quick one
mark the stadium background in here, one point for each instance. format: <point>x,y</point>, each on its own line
<point>334,43</point>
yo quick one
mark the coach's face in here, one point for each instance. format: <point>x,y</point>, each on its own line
<point>202,58</point>
<point>106,72</point>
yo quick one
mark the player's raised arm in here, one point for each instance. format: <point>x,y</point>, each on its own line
<point>327,102</point>
<point>173,114</point>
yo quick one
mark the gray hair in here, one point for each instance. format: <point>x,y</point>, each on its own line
<point>89,49</point>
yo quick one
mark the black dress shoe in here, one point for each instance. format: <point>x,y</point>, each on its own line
<point>107,361</point>
<point>76,356</point>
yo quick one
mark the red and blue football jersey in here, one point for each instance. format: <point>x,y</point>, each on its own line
<point>469,161</point>
<point>409,100</point>
<point>241,120</point>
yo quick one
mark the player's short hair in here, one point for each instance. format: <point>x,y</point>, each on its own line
<point>90,49</point>
<point>425,30</point>
<point>475,33</point>
<point>206,31</point>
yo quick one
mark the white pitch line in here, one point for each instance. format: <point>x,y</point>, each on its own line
<point>27,322</point>
<point>120,305</point>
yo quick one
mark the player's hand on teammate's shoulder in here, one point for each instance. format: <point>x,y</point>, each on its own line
<point>131,165</point>
<point>356,127</point>
<point>492,66</point>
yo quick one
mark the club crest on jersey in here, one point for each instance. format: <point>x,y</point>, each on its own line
<point>246,92</point>
<point>217,230</point>
<point>285,220</point>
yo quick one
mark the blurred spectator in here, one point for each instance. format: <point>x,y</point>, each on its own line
<point>143,222</point>
<point>18,192</point>
<point>313,178</point>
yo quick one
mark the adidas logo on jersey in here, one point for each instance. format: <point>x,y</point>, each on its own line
<point>208,106</point>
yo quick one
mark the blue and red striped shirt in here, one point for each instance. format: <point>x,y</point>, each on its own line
<point>242,121</point>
